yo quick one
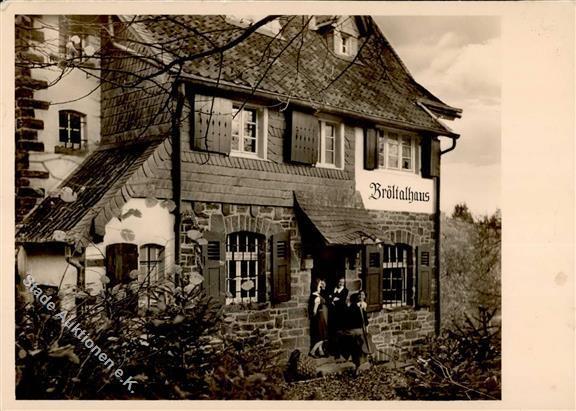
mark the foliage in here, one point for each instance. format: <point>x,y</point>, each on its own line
<point>464,364</point>
<point>248,368</point>
<point>376,383</point>
<point>470,266</point>
<point>175,350</point>
<point>462,212</point>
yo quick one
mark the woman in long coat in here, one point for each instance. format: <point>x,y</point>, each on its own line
<point>318,312</point>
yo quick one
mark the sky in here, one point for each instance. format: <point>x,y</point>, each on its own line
<point>457,58</point>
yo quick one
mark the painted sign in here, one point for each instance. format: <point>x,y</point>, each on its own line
<point>392,190</point>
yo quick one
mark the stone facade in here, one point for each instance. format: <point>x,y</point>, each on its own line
<point>396,330</point>
<point>285,324</point>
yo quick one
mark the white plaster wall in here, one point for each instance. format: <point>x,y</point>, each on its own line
<point>156,226</point>
<point>74,85</point>
<point>400,179</point>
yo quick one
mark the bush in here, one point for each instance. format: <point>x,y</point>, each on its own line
<point>464,364</point>
<point>174,350</point>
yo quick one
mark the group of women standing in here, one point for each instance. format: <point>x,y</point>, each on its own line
<point>338,323</point>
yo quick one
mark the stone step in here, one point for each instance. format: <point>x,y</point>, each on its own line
<point>335,368</point>
<point>328,366</point>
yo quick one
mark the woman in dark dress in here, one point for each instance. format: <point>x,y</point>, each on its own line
<point>318,311</point>
<point>354,338</point>
<point>337,302</point>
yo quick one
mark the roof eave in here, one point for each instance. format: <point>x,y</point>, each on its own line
<point>227,86</point>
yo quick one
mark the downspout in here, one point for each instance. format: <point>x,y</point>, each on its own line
<point>176,172</point>
<point>437,310</point>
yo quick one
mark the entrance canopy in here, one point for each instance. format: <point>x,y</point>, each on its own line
<point>338,220</point>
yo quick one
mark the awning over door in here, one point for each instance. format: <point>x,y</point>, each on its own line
<point>337,223</point>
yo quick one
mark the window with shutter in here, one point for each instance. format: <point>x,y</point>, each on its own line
<point>214,259</point>
<point>281,283</point>
<point>372,269</point>
<point>424,276</point>
<point>304,141</point>
<point>211,129</point>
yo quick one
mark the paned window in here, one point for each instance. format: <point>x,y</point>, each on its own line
<point>72,126</point>
<point>244,266</point>
<point>244,130</point>
<point>396,151</point>
<point>397,275</point>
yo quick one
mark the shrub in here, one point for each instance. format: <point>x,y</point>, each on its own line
<point>174,350</point>
<point>459,365</point>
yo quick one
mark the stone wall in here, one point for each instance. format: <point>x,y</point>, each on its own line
<point>395,331</point>
<point>285,324</point>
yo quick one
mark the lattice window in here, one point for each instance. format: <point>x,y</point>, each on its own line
<point>397,275</point>
<point>72,126</point>
<point>244,266</point>
<point>151,258</point>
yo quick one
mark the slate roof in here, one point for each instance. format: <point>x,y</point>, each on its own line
<point>300,67</point>
<point>95,181</point>
<point>346,224</point>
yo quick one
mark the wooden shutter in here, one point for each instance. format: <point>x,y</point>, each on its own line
<point>212,126</point>
<point>214,260</point>
<point>409,276</point>
<point>430,156</point>
<point>262,271</point>
<point>281,282</point>
<point>370,149</point>
<point>121,258</point>
<point>372,267</point>
<point>304,142</point>
<point>424,276</point>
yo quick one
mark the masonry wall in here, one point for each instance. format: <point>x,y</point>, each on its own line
<point>396,330</point>
<point>285,324</point>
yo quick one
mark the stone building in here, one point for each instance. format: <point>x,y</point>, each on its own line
<point>305,150</point>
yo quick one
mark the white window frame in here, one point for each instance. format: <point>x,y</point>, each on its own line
<point>260,241</point>
<point>261,131</point>
<point>348,50</point>
<point>383,137</point>
<point>339,139</point>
